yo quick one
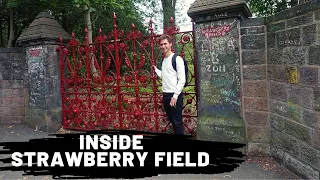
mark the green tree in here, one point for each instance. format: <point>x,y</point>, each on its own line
<point>168,9</point>
<point>269,7</point>
<point>67,12</point>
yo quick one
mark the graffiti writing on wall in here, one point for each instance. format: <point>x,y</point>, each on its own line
<point>214,31</point>
<point>219,67</point>
<point>289,38</point>
<point>34,54</point>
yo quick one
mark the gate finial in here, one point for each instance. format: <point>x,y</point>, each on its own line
<point>114,20</point>
<point>171,19</point>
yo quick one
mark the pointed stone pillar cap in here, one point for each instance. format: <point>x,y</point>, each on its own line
<point>207,7</point>
<point>43,30</point>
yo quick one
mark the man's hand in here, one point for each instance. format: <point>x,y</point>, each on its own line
<point>154,67</point>
<point>173,102</point>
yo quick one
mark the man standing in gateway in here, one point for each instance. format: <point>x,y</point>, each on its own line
<point>173,82</point>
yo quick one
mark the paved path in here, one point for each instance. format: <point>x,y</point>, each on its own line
<point>253,168</point>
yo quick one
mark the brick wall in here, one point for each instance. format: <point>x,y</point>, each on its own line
<point>281,90</point>
<point>13,85</point>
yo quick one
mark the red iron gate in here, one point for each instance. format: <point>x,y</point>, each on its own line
<point>109,84</point>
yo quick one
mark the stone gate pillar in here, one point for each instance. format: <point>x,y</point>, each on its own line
<point>217,26</point>
<point>41,40</point>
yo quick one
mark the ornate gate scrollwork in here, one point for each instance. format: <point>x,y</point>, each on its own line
<point>109,84</point>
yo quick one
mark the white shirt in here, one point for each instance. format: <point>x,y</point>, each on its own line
<point>172,81</point>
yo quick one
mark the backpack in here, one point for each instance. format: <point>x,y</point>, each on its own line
<point>174,65</point>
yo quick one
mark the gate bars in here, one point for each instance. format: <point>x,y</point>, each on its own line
<point>110,84</point>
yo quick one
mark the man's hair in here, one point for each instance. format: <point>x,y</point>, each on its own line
<point>165,36</point>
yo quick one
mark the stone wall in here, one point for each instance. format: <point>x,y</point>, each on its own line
<point>255,91</point>
<point>281,94</point>
<point>13,86</point>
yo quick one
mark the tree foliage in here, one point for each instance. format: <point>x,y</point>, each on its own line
<point>268,7</point>
<point>69,13</point>
<point>161,11</point>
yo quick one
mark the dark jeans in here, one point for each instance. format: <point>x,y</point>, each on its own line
<point>174,113</point>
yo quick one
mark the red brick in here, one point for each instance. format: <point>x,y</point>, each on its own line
<point>11,119</point>
<point>17,101</point>
<point>18,92</point>
<point>5,92</point>
<point>255,89</point>
<point>257,104</point>
<point>5,111</point>
<point>5,101</point>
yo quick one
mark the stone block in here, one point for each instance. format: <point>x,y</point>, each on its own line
<point>304,8</point>
<point>54,119</point>
<point>300,20</point>
<point>300,168</point>
<point>309,76</point>
<point>258,134</point>
<point>17,92</point>
<point>252,22</point>
<point>301,96</point>
<point>253,57</point>
<point>6,93</point>
<point>12,101</point>
<point>8,84</point>
<point>277,73</point>
<point>255,88</point>
<point>317,15</point>
<point>277,154</point>
<point>288,110</point>
<point>16,65</point>
<point>316,92</point>
<point>270,19</point>
<point>271,40</point>
<point>285,142</point>
<point>18,110</point>
<point>221,129</point>
<point>256,104</point>
<point>274,56</point>
<point>314,54</point>
<point>4,57</point>
<point>21,57</point>
<point>278,91</point>
<point>295,55</point>
<point>253,42</point>
<point>253,118</point>
<point>36,117</point>
<point>5,65</point>
<point>252,30</point>
<point>316,137</point>
<point>254,72</point>
<point>258,149</point>
<point>310,118</point>
<point>12,50</point>
<point>298,131</point>
<point>288,38</point>
<point>309,35</point>
<point>310,156</point>
<point>17,75</point>
<point>9,120</point>
<point>273,27</point>
<point>5,111</point>
<point>277,122</point>
<point>6,74</point>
